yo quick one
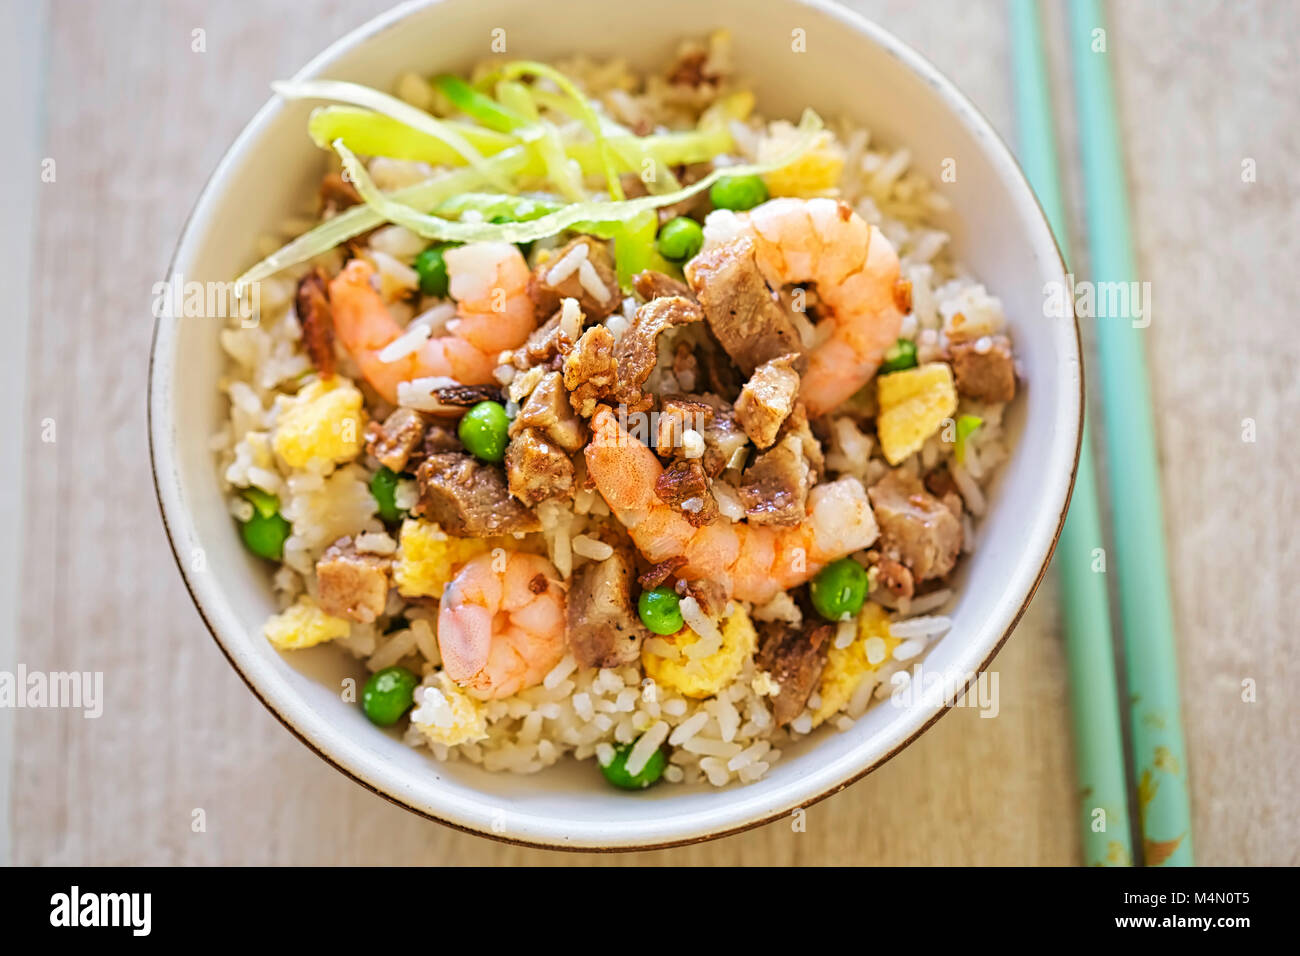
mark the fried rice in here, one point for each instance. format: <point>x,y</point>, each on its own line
<point>713,715</point>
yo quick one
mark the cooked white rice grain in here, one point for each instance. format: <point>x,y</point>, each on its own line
<point>711,747</point>
<point>780,608</point>
<point>910,649</point>
<point>398,645</point>
<point>926,603</point>
<point>559,672</point>
<point>405,344</point>
<point>571,318</point>
<point>397,241</point>
<point>692,443</point>
<point>567,264</point>
<point>876,650</point>
<point>729,504</point>
<point>710,637</point>
<point>715,770</point>
<point>419,392</point>
<point>927,627</point>
<point>395,270</point>
<point>645,747</point>
<point>590,280</point>
<point>845,633</point>
<point>969,489</point>
<point>375,542</point>
<point>592,548</point>
<point>688,728</point>
<point>749,755</point>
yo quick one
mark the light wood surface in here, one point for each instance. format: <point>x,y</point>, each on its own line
<point>135,121</point>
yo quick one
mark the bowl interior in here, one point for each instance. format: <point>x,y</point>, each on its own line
<point>849,70</point>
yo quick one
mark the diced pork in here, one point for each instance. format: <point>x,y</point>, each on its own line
<point>767,399</point>
<point>394,441</point>
<point>537,468</point>
<point>469,498</point>
<point>743,313</point>
<point>717,373</point>
<point>547,409</point>
<point>312,306</point>
<point>590,371</point>
<point>797,425</point>
<point>774,488</point>
<point>916,528</point>
<point>676,415</point>
<point>795,659</point>
<point>722,439</point>
<point>465,396</point>
<point>350,584</point>
<point>684,487</point>
<point>545,345</point>
<point>438,438</point>
<point>603,627</point>
<point>651,285</point>
<point>984,369</point>
<point>637,351</point>
<point>661,572</point>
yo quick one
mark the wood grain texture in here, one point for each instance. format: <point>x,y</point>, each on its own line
<point>136,120</point>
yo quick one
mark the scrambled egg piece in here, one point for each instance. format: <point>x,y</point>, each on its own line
<point>325,422</point>
<point>847,666</point>
<point>815,173</point>
<point>704,676</point>
<point>446,715</point>
<point>427,557</point>
<point>913,406</point>
<point>303,624</point>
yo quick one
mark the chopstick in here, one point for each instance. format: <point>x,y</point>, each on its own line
<point>1094,697</point>
<point>1155,725</point>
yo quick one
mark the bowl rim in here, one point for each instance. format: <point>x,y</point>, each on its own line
<point>163,467</point>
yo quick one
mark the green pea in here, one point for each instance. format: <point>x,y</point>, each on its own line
<point>388,695</point>
<point>839,589</point>
<point>265,532</point>
<point>900,355</point>
<point>616,770</point>
<point>680,239</point>
<point>738,192</point>
<point>432,270</point>
<point>660,610</point>
<point>383,486</point>
<point>483,431</point>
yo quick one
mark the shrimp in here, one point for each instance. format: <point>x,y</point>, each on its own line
<point>751,562</point>
<point>855,270</point>
<point>489,281</point>
<point>501,625</point>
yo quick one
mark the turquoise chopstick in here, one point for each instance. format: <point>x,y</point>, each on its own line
<point>1159,753</point>
<point>1094,697</point>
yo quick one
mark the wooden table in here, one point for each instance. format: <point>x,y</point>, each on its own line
<point>135,119</point>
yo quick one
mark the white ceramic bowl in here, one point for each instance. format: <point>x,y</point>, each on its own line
<point>852,68</point>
